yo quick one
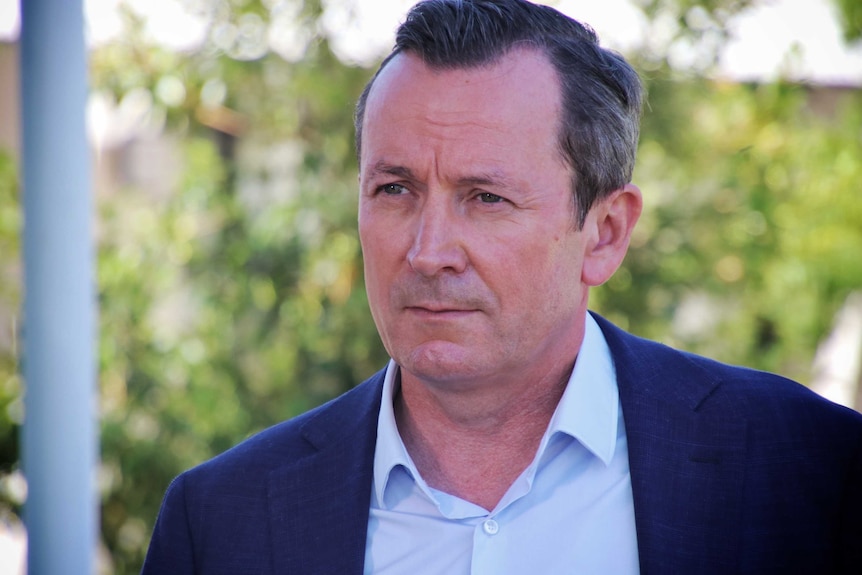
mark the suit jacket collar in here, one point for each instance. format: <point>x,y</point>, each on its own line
<point>687,461</point>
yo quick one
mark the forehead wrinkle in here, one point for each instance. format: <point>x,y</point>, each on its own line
<point>459,119</point>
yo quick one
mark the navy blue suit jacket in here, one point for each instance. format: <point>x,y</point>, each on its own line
<point>733,471</point>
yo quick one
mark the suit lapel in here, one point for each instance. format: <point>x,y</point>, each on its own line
<point>319,504</point>
<point>687,460</point>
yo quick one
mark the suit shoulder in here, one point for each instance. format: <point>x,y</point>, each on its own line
<point>346,417</point>
<point>647,368</point>
<point>763,392</point>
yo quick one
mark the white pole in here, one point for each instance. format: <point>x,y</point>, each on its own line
<point>59,438</point>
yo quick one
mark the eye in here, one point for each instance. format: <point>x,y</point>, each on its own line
<point>489,198</point>
<point>392,189</point>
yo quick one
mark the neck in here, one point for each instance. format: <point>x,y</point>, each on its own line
<point>474,442</point>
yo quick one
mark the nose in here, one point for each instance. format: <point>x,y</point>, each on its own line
<point>437,244</point>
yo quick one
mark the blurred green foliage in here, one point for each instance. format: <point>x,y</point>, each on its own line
<point>752,235</point>
<point>236,300</point>
<point>11,401</point>
<point>851,21</point>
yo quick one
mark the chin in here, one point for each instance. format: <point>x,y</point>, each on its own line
<point>440,362</point>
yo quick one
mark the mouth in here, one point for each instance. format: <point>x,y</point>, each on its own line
<point>438,310</point>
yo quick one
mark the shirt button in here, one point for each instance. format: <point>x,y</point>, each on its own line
<point>490,527</point>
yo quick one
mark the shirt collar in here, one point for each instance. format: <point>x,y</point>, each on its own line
<point>589,407</point>
<point>389,451</point>
<point>588,410</point>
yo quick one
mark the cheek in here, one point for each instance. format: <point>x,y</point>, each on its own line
<point>381,264</point>
<point>520,279</point>
<point>371,267</point>
<point>549,275</point>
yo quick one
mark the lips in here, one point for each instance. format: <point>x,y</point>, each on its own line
<point>439,308</point>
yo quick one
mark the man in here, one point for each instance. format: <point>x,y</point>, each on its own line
<point>513,431</point>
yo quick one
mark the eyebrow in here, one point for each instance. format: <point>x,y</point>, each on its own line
<point>382,167</point>
<point>493,177</point>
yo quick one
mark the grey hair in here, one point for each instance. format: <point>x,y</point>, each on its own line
<point>601,93</point>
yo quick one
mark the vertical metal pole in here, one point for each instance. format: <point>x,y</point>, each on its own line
<point>59,437</point>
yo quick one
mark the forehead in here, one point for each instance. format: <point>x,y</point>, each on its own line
<point>517,95</point>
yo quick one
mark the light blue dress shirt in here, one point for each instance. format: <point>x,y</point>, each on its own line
<point>570,511</point>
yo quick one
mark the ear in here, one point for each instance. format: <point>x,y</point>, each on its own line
<point>610,224</point>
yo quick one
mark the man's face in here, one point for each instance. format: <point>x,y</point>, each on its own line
<point>473,262</point>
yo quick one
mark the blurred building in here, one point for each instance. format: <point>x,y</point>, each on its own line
<point>9,117</point>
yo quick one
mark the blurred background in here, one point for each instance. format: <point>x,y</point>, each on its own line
<point>229,269</point>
